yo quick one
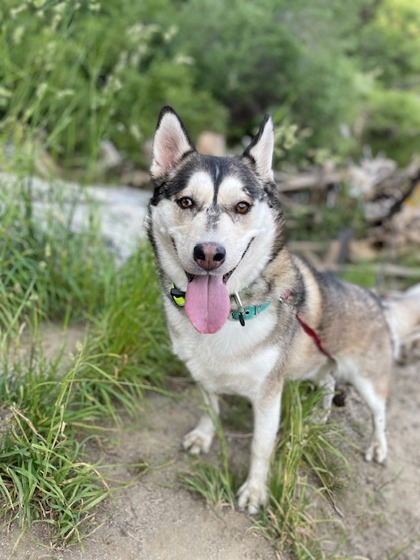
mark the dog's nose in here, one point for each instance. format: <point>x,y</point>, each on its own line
<point>209,255</point>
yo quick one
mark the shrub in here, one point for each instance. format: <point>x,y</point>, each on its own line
<point>255,57</point>
<point>79,72</point>
<point>393,123</point>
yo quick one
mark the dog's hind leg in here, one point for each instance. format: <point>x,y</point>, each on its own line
<point>325,380</point>
<point>328,385</point>
<point>200,439</point>
<point>253,493</point>
<point>376,402</point>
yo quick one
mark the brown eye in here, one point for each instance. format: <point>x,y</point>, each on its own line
<point>185,202</point>
<point>242,207</point>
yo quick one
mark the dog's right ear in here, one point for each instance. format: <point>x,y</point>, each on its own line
<point>260,150</point>
<point>170,144</point>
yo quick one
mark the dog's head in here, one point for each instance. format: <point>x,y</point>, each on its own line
<point>213,220</point>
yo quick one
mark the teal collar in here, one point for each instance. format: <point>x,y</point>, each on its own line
<point>248,312</point>
<point>242,314</point>
<point>245,313</point>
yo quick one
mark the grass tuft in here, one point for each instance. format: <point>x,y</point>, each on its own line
<point>307,468</point>
<point>216,484</point>
<point>47,270</point>
<point>50,272</point>
<point>43,474</point>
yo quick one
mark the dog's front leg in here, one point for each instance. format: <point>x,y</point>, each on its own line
<point>200,439</point>
<point>253,493</point>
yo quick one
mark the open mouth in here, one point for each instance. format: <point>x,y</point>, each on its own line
<point>207,300</point>
<point>225,277</point>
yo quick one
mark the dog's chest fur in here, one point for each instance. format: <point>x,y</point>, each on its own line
<point>234,360</point>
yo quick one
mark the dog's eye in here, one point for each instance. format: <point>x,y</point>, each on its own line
<point>185,202</point>
<point>242,207</point>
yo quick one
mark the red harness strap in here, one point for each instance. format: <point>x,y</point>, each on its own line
<point>315,337</point>
<point>309,330</point>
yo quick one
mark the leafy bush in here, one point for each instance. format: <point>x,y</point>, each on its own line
<point>74,73</point>
<point>276,56</point>
<point>389,51</point>
<point>390,43</point>
<point>393,123</point>
<point>79,72</point>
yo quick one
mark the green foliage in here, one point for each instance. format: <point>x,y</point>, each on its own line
<point>390,43</point>
<point>389,51</point>
<point>393,123</point>
<point>270,55</point>
<point>47,269</point>
<point>79,72</point>
<point>75,73</point>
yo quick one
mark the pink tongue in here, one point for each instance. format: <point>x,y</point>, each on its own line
<point>207,303</point>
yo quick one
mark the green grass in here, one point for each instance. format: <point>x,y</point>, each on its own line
<point>307,469</point>
<point>50,412</point>
<point>307,466</point>
<point>47,268</point>
<point>217,484</point>
<point>44,473</point>
<point>50,407</point>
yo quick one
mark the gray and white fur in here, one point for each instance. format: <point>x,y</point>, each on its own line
<point>216,227</point>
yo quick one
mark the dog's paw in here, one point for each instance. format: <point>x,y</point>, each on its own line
<point>197,441</point>
<point>376,452</point>
<point>252,497</point>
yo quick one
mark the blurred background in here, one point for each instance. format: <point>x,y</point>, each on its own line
<point>336,76</point>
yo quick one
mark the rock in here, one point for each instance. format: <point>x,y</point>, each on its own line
<point>120,210</point>
<point>136,178</point>
<point>110,156</point>
<point>211,144</point>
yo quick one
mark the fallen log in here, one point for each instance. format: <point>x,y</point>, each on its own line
<point>316,179</point>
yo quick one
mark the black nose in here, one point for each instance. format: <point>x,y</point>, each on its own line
<point>209,255</point>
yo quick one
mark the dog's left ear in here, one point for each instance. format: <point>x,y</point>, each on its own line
<point>260,150</point>
<point>170,143</point>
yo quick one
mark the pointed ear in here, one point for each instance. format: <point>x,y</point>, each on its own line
<point>170,143</point>
<point>260,150</point>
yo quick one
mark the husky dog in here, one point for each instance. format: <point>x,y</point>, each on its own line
<point>243,313</point>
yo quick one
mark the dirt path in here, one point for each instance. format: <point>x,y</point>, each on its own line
<point>382,512</point>
<point>157,519</point>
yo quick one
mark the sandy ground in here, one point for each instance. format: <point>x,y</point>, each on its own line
<point>155,518</point>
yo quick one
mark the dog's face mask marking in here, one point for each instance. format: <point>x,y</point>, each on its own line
<point>212,212</point>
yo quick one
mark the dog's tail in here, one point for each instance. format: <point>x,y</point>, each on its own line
<point>403,315</point>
